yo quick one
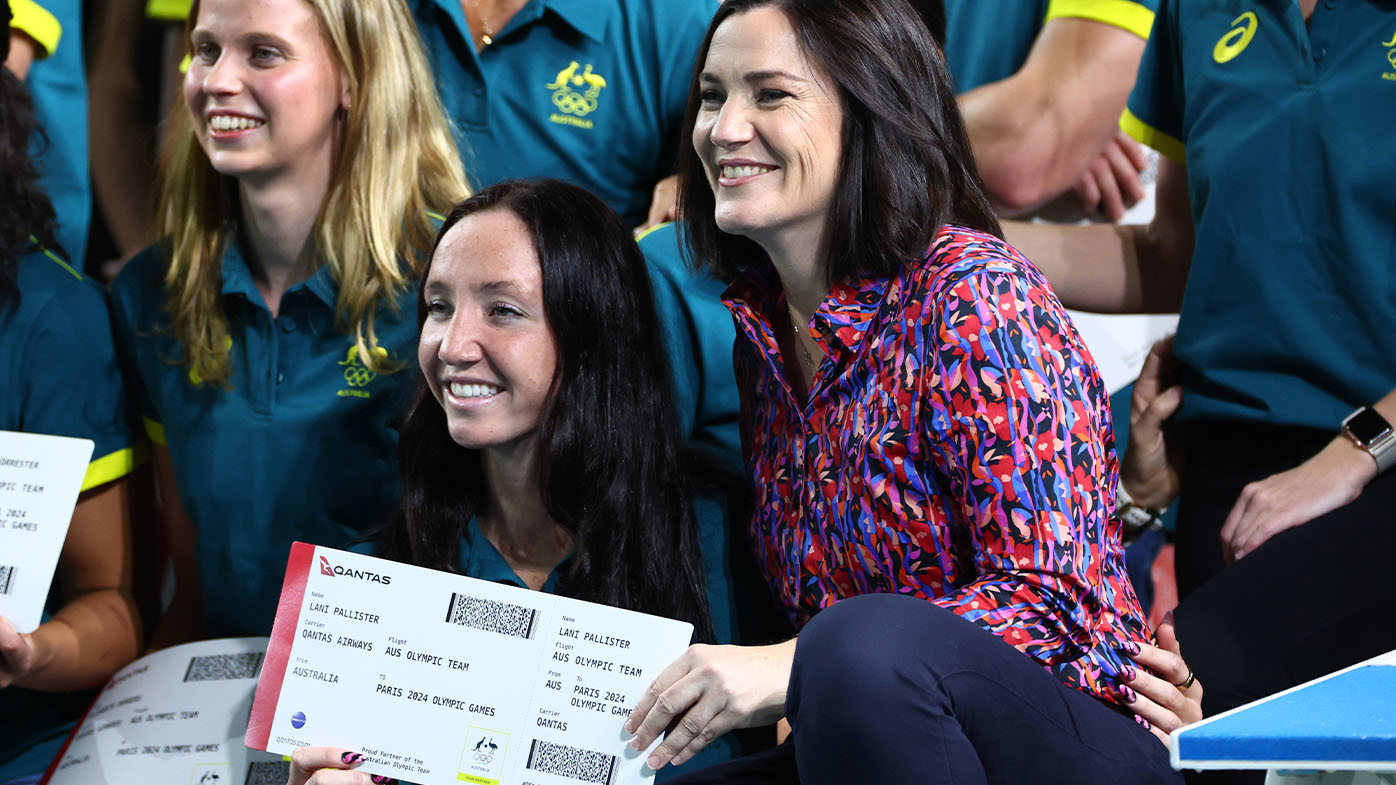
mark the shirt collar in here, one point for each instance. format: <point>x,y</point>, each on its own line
<point>841,320</point>
<point>478,558</point>
<point>237,278</point>
<point>588,17</point>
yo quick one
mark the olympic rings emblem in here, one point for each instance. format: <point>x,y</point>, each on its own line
<point>358,376</point>
<point>573,102</point>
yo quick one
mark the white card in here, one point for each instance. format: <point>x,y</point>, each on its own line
<point>1121,342</point>
<point>40,478</point>
<point>174,716</point>
<point>437,678</point>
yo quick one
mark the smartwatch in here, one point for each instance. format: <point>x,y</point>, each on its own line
<point>1370,431</point>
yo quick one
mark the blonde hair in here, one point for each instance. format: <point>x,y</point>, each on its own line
<point>397,162</point>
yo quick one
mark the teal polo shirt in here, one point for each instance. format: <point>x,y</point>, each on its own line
<point>300,448</point>
<point>1289,315</point>
<point>989,40</point>
<point>58,375</point>
<point>57,83</point>
<point>588,91</point>
<point>698,338</point>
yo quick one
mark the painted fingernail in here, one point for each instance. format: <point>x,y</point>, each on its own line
<point>380,779</point>
<point>351,758</point>
<point>1129,694</point>
<point>1129,673</point>
<point>1131,647</point>
<point>1143,723</point>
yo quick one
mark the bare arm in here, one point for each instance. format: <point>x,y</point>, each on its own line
<point>1118,269</point>
<point>21,54</point>
<point>183,620</point>
<point>1036,132</point>
<point>98,629</point>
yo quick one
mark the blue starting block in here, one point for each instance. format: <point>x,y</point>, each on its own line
<point>1336,730</point>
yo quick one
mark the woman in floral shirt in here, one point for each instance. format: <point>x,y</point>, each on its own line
<point>921,419</point>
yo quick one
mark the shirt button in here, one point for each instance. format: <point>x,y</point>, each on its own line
<point>479,91</point>
<point>280,377</point>
<point>1319,53</point>
<point>287,324</point>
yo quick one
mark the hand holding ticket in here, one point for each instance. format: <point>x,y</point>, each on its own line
<point>439,678</point>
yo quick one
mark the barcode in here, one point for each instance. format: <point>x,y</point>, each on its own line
<point>268,772</point>
<point>7,579</point>
<point>571,762</point>
<point>491,616</point>
<point>223,667</point>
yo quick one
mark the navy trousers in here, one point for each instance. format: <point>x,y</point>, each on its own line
<point>892,689</point>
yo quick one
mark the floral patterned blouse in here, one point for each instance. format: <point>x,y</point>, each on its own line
<point>955,445</point>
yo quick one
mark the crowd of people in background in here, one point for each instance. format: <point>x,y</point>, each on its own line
<point>748,313</point>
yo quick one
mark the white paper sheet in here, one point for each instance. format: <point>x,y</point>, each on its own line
<point>40,478</point>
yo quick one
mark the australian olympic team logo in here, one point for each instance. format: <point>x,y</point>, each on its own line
<point>357,375</point>
<point>485,750</point>
<point>582,100</point>
<point>575,94</point>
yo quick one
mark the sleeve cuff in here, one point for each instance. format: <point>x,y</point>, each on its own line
<point>156,431</point>
<point>168,10</point>
<point>36,22</point>
<point>114,466</point>
<point>1148,135</point>
<point>1124,14</point>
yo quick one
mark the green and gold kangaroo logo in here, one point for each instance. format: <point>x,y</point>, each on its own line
<point>356,374</point>
<point>576,93</point>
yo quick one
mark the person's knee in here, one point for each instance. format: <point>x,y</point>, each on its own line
<point>871,647</point>
<point>1216,647</point>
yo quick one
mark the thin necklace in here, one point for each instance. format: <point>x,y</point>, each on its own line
<point>794,325</point>
<point>486,32</point>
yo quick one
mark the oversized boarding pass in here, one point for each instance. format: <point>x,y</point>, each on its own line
<point>40,478</point>
<point>173,716</point>
<point>438,678</point>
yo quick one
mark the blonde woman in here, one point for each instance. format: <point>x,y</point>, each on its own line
<point>269,330</point>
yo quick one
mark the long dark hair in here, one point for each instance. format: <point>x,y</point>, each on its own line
<point>25,210</point>
<point>906,166</point>
<point>608,445</point>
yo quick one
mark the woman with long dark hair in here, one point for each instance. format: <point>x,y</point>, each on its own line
<point>542,447</point>
<point>927,437</point>
<point>585,450</point>
<point>58,376</point>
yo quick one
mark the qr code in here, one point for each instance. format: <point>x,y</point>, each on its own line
<point>571,762</point>
<point>491,616</point>
<point>268,772</point>
<point>223,667</point>
<point>7,579</point>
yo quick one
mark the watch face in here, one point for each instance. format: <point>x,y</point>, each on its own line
<point>1366,426</point>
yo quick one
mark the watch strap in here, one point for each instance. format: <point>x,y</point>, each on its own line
<point>1379,442</point>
